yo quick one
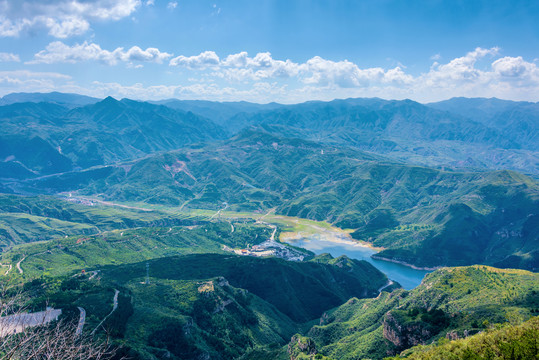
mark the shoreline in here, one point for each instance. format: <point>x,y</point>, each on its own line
<point>345,238</point>
<point>375,257</point>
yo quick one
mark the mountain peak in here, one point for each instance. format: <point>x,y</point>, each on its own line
<point>109,99</point>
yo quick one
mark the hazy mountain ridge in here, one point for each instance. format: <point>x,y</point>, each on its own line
<point>458,133</point>
<point>64,99</point>
<point>100,133</point>
<point>408,131</point>
<point>510,117</point>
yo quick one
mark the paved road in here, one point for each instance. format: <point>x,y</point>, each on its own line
<point>94,274</point>
<point>114,307</point>
<point>389,283</point>
<point>8,268</point>
<point>218,212</point>
<point>19,264</point>
<point>17,323</point>
<point>82,320</point>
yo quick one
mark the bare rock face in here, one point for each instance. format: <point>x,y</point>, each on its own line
<point>301,345</point>
<point>404,335</point>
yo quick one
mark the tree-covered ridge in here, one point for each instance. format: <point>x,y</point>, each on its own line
<point>62,256</point>
<point>503,342</point>
<point>80,132</point>
<point>45,138</point>
<point>422,216</point>
<point>450,302</point>
<point>200,301</point>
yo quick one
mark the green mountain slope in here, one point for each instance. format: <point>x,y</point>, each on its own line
<point>422,216</point>
<point>412,132</point>
<point>181,294</point>
<point>26,218</point>
<point>175,319</point>
<point>95,134</point>
<point>508,342</point>
<point>61,257</point>
<point>450,302</point>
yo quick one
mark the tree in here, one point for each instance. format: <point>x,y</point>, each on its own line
<point>56,340</point>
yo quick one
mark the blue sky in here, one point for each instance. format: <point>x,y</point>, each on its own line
<point>262,51</point>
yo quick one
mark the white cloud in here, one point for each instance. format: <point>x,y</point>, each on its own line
<point>262,78</point>
<point>62,18</point>
<point>68,27</point>
<point>344,74</point>
<point>195,91</point>
<point>202,61</point>
<point>241,67</point>
<point>30,81</point>
<point>137,54</point>
<point>25,74</point>
<point>216,10</point>
<point>172,5</point>
<point>459,71</point>
<point>469,75</point>
<point>515,68</point>
<point>58,52</point>
<point>150,2</point>
<point>5,57</point>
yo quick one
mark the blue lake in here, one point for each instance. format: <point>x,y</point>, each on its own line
<point>409,278</point>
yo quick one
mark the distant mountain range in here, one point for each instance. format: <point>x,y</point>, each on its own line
<point>101,133</point>
<point>306,160</point>
<point>67,100</point>
<point>459,133</point>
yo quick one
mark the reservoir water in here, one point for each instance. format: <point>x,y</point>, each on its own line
<point>406,276</point>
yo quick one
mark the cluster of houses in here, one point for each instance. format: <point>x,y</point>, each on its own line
<point>269,248</point>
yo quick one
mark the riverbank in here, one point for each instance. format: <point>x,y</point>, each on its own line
<point>375,257</point>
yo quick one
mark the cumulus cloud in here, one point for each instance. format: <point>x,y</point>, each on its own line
<point>317,70</point>
<point>509,68</point>
<point>459,70</point>
<point>261,77</point>
<point>62,18</point>
<point>209,91</point>
<point>172,5</point>
<point>58,52</point>
<point>6,57</point>
<point>202,61</point>
<point>341,73</point>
